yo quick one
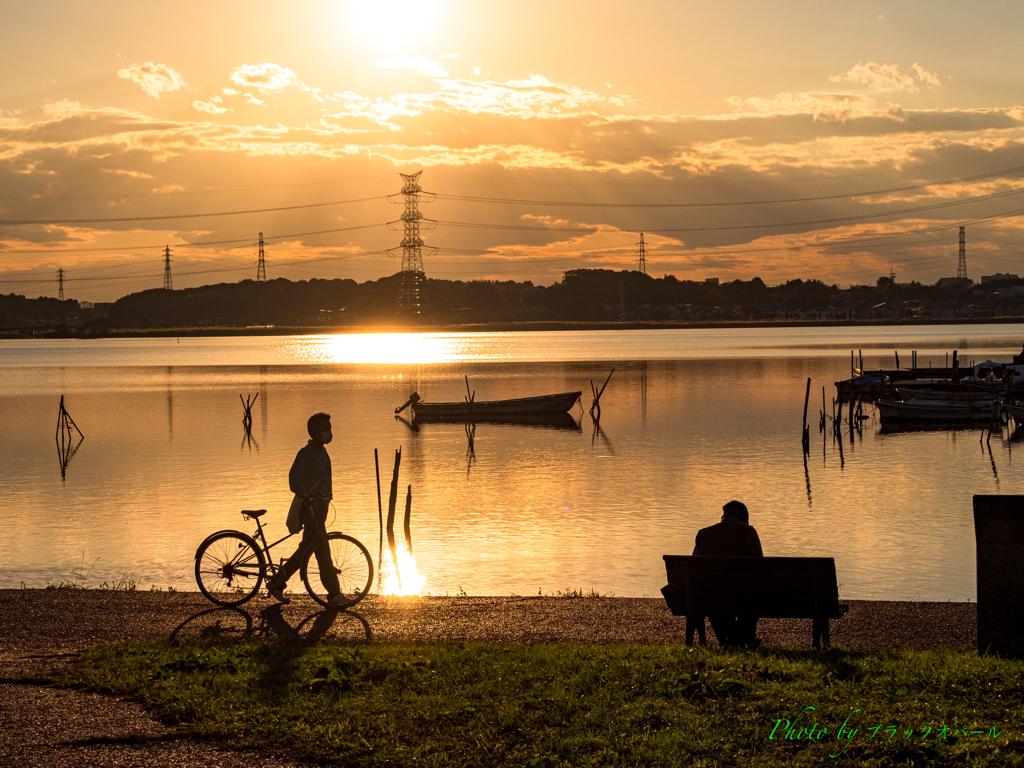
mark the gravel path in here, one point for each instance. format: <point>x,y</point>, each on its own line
<point>44,629</point>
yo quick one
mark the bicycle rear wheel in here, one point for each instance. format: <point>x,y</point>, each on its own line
<point>350,562</point>
<point>230,568</point>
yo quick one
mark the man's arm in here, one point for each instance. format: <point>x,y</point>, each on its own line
<point>754,544</point>
<point>297,473</point>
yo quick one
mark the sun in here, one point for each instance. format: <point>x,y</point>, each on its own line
<point>392,25</point>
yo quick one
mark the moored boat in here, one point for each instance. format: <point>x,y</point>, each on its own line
<point>935,411</point>
<point>482,409</point>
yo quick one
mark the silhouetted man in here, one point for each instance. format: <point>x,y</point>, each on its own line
<point>733,537</point>
<point>310,475</point>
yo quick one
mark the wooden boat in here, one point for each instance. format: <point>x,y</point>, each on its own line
<point>933,411</point>
<point>485,409</point>
<point>563,421</point>
<point>946,393</point>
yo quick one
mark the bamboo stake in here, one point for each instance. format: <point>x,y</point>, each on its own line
<point>392,500</point>
<point>408,512</point>
<point>380,516</point>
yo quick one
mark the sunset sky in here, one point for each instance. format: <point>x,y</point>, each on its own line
<point>809,139</point>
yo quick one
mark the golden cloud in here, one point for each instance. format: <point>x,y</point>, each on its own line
<point>154,79</point>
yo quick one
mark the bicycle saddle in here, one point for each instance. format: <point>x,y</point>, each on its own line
<point>253,512</point>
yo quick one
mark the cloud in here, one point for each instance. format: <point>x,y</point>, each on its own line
<point>250,99</point>
<point>214,106</point>
<point>265,77</point>
<point>421,64</point>
<point>824,107</point>
<point>879,77</point>
<point>154,79</point>
<point>929,78</point>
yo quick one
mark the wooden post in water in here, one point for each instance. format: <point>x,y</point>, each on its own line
<point>805,435</point>
<point>380,516</point>
<point>392,500</point>
<point>597,396</point>
<point>408,512</point>
<point>897,360</point>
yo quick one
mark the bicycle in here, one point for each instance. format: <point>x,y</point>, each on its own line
<point>231,566</point>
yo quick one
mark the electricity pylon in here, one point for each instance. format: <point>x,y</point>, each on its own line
<point>642,256</point>
<point>168,285</point>
<point>261,267</point>
<point>412,296</point>
<point>60,283</point>
<point>961,264</point>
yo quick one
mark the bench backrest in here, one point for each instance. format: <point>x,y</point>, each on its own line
<point>777,587</point>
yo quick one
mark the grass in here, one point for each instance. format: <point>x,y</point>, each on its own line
<point>577,704</point>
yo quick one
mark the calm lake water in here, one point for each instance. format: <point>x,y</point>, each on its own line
<point>690,420</point>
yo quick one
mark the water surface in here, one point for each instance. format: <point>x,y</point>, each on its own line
<point>689,420</point>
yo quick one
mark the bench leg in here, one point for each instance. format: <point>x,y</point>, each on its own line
<point>695,624</point>
<point>821,634</point>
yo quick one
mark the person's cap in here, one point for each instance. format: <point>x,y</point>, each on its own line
<point>736,509</point>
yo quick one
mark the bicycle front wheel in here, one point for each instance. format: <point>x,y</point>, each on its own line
<point>230,568</point>
<point>342,580</point>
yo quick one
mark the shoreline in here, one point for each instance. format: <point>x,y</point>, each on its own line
<point>48,627</point>
<point>488,327</point>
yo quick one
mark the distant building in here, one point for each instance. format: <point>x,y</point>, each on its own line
<point>710,281</point>
<point>997,276</point>
<point>954,282</point>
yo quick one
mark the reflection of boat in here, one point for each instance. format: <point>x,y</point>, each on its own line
<point>1016,410</point>
<point>553,420</point>
<point>937,411</point>
<point>485,410</point>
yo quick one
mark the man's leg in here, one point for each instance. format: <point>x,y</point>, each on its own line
<point>328,573</point>
<point>291,564</point>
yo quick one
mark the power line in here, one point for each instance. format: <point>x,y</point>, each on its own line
<point>732,203</point>
<point>22,222</point>
<point>120,196</point>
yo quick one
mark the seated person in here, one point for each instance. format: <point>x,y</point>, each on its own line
<point>733,537</point>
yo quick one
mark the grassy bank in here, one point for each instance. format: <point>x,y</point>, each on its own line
<point>578,705</point>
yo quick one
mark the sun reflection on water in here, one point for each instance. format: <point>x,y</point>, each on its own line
<point>390,348</point>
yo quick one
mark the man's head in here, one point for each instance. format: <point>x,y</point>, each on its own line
<point>319,427</point>
<point>737,510</point>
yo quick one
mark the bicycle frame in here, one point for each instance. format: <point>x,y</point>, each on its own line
<point>259,536</point>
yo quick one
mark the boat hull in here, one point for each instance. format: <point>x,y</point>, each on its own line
<point>484,409</point>
<point>932,411</point>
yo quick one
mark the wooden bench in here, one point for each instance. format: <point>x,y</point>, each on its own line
<point>769,587</point>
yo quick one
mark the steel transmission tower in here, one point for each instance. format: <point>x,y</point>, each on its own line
<point>261,267</point>
<point>642,256</point>
<point>412,296</point>
<point>961,265</point>
<point>60,283</point>
<point>168,285</point>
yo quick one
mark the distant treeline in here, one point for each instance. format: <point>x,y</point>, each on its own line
<point>581,295</point>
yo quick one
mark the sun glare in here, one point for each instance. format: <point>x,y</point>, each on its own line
<point>396,348</point>
<point>392,25</point>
